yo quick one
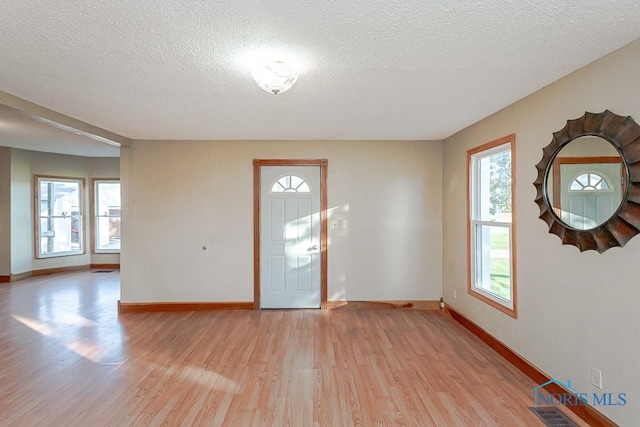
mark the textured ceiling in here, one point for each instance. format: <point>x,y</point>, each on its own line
<point>375,69</point>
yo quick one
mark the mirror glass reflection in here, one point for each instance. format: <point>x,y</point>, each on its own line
<point>586,182</point>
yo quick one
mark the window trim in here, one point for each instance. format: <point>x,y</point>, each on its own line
<point>471,290</point>
<point>36,216</point>
<point>94,215</point>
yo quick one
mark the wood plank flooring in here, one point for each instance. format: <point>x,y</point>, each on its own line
<point>68,359</point>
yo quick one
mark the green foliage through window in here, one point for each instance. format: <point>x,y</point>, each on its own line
<point>500,182</point>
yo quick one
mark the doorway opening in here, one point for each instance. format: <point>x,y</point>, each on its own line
<point>290,233</point>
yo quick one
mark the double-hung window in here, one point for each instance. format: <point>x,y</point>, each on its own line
<point>491,246</point>
<point>107,216</point>
<point>60,216</point>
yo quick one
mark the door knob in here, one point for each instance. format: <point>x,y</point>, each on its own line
<point>313,248</point>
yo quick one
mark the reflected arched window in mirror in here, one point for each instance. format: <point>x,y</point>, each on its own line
<point>290,184</point>
<point>590,181</point>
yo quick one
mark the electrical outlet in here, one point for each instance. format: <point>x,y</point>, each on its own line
<point>455,294</point>
<point>596,377</point>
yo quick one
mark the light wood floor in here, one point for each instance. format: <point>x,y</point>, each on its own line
<point>68,359</point>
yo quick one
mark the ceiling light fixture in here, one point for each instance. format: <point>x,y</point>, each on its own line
<point>275,76</point>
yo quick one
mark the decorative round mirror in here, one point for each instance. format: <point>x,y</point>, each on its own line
<point>588,183</point>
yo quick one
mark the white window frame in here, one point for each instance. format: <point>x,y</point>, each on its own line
<point>475,225</point>
<point>97,215</point>
<point>38,217</point>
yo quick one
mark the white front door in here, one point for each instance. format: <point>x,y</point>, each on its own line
<point>582,206</point>
<point>290,237</point>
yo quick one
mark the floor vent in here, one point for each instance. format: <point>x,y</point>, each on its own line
<point>553,417</point>
<point>103,271</point>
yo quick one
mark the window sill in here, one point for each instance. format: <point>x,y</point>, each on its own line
<point>513,312</point>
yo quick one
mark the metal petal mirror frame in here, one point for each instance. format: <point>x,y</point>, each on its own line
<point>624,134</point>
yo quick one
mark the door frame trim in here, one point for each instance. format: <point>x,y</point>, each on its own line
<point>559,161</point>
<point>257,164</point>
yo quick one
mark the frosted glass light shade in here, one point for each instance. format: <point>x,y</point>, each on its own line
<point>275,76</point>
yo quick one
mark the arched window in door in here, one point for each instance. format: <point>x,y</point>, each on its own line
<point>590,181</point>
<point>290,184</point>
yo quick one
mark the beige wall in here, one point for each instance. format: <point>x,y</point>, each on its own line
<point>21,213</point>
<point>5,211</point>
<point>588,146</point>
<point>26,164</point>
<point>576,310</point>
<point>180,196</point>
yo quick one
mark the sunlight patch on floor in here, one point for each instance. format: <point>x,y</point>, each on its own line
<point>208,379</point>
<point>89,351</point>
<point>36,325</point>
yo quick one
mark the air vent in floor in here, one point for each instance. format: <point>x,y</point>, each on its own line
<point>553,417</point>
<point>103,271</point>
